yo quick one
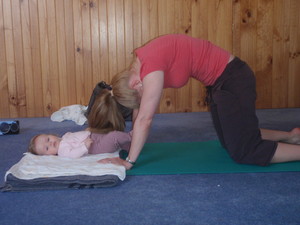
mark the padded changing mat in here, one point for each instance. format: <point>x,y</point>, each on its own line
<point>34,172</point>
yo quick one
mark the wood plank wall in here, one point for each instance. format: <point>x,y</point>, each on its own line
<point>53,52</point>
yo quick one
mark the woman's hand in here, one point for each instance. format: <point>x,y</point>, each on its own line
<point>116,161</point>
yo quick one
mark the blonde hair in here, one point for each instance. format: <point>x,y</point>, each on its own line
<point>123,94</point>
<point>105,114</point>
<point>32,146</point>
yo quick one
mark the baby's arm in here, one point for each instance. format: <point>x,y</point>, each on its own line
<point>75,145</point>
<point>88,141</point>
<point>70,151</point>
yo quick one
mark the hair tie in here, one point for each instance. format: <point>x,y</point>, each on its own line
<point>104,85</point>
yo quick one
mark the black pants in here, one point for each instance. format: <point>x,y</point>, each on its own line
<point>232,105</point>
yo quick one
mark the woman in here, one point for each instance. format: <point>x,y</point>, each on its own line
<point>168,62</point>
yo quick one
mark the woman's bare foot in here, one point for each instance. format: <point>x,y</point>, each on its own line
<point>294,136</point>
<point>290,137</point>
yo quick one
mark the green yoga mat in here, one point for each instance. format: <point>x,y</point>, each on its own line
<point>196,157</point>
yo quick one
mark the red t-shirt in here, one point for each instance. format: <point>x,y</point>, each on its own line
<point>181,57</point>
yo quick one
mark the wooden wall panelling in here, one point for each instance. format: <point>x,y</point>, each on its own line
<point>112,43</point>
<point>31,107</point>
<point>53,80</point>
<point>199,29</point>
<point>79,75</point>
<point>104,69</point>
<point>10,59</point>
<point>250,41</point>
<point>48,55</point>
<point>294,55</point>
<point>95,43</point>
<point>4,97</point>
<point>166,25</point>
<point>128,17</point>
<point>53,91</point>
<point>87,78</point>
<point>55,51</point>
<point>137,23</point>
<point>236,28</point>
<point>20,99</point>
<point>149,20</point>
<point>153,18</point>
<point>62,54</point>
<point>245,31</point>
<point>45,68</point>
<point>183,96</point>
<point>281,41</point>
<point>120,32</point>
<point>220,23</point>
<point>70,52</point>
<point>36,57</point>
<point>263,38</point>
<point>264,53</point>
<point>145,21</point>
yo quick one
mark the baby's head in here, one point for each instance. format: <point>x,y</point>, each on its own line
<point>44,144</point>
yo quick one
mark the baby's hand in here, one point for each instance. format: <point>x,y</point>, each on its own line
<point>88,142</point>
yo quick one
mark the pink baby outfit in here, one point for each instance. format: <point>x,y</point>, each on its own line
<point>72,144</point>
<point>182,57</point>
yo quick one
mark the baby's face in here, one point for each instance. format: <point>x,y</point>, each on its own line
<point>47,144</point>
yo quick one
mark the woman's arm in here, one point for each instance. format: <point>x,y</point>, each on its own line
<point>152,91</point>
<point>134,115</point>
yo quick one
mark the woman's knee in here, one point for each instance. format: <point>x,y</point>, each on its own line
<point>258,154</point>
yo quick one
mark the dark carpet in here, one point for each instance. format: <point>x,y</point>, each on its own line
<point>208,199</point>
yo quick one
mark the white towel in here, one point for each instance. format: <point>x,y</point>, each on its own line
<point>72,112</point>
<point>36,166</point>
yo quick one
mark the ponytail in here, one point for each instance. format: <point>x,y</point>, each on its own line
<point>104,115</point>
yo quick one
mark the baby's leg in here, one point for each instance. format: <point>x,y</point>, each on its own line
<point>102,144</point>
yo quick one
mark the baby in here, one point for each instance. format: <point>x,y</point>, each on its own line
<point>77,144</point>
